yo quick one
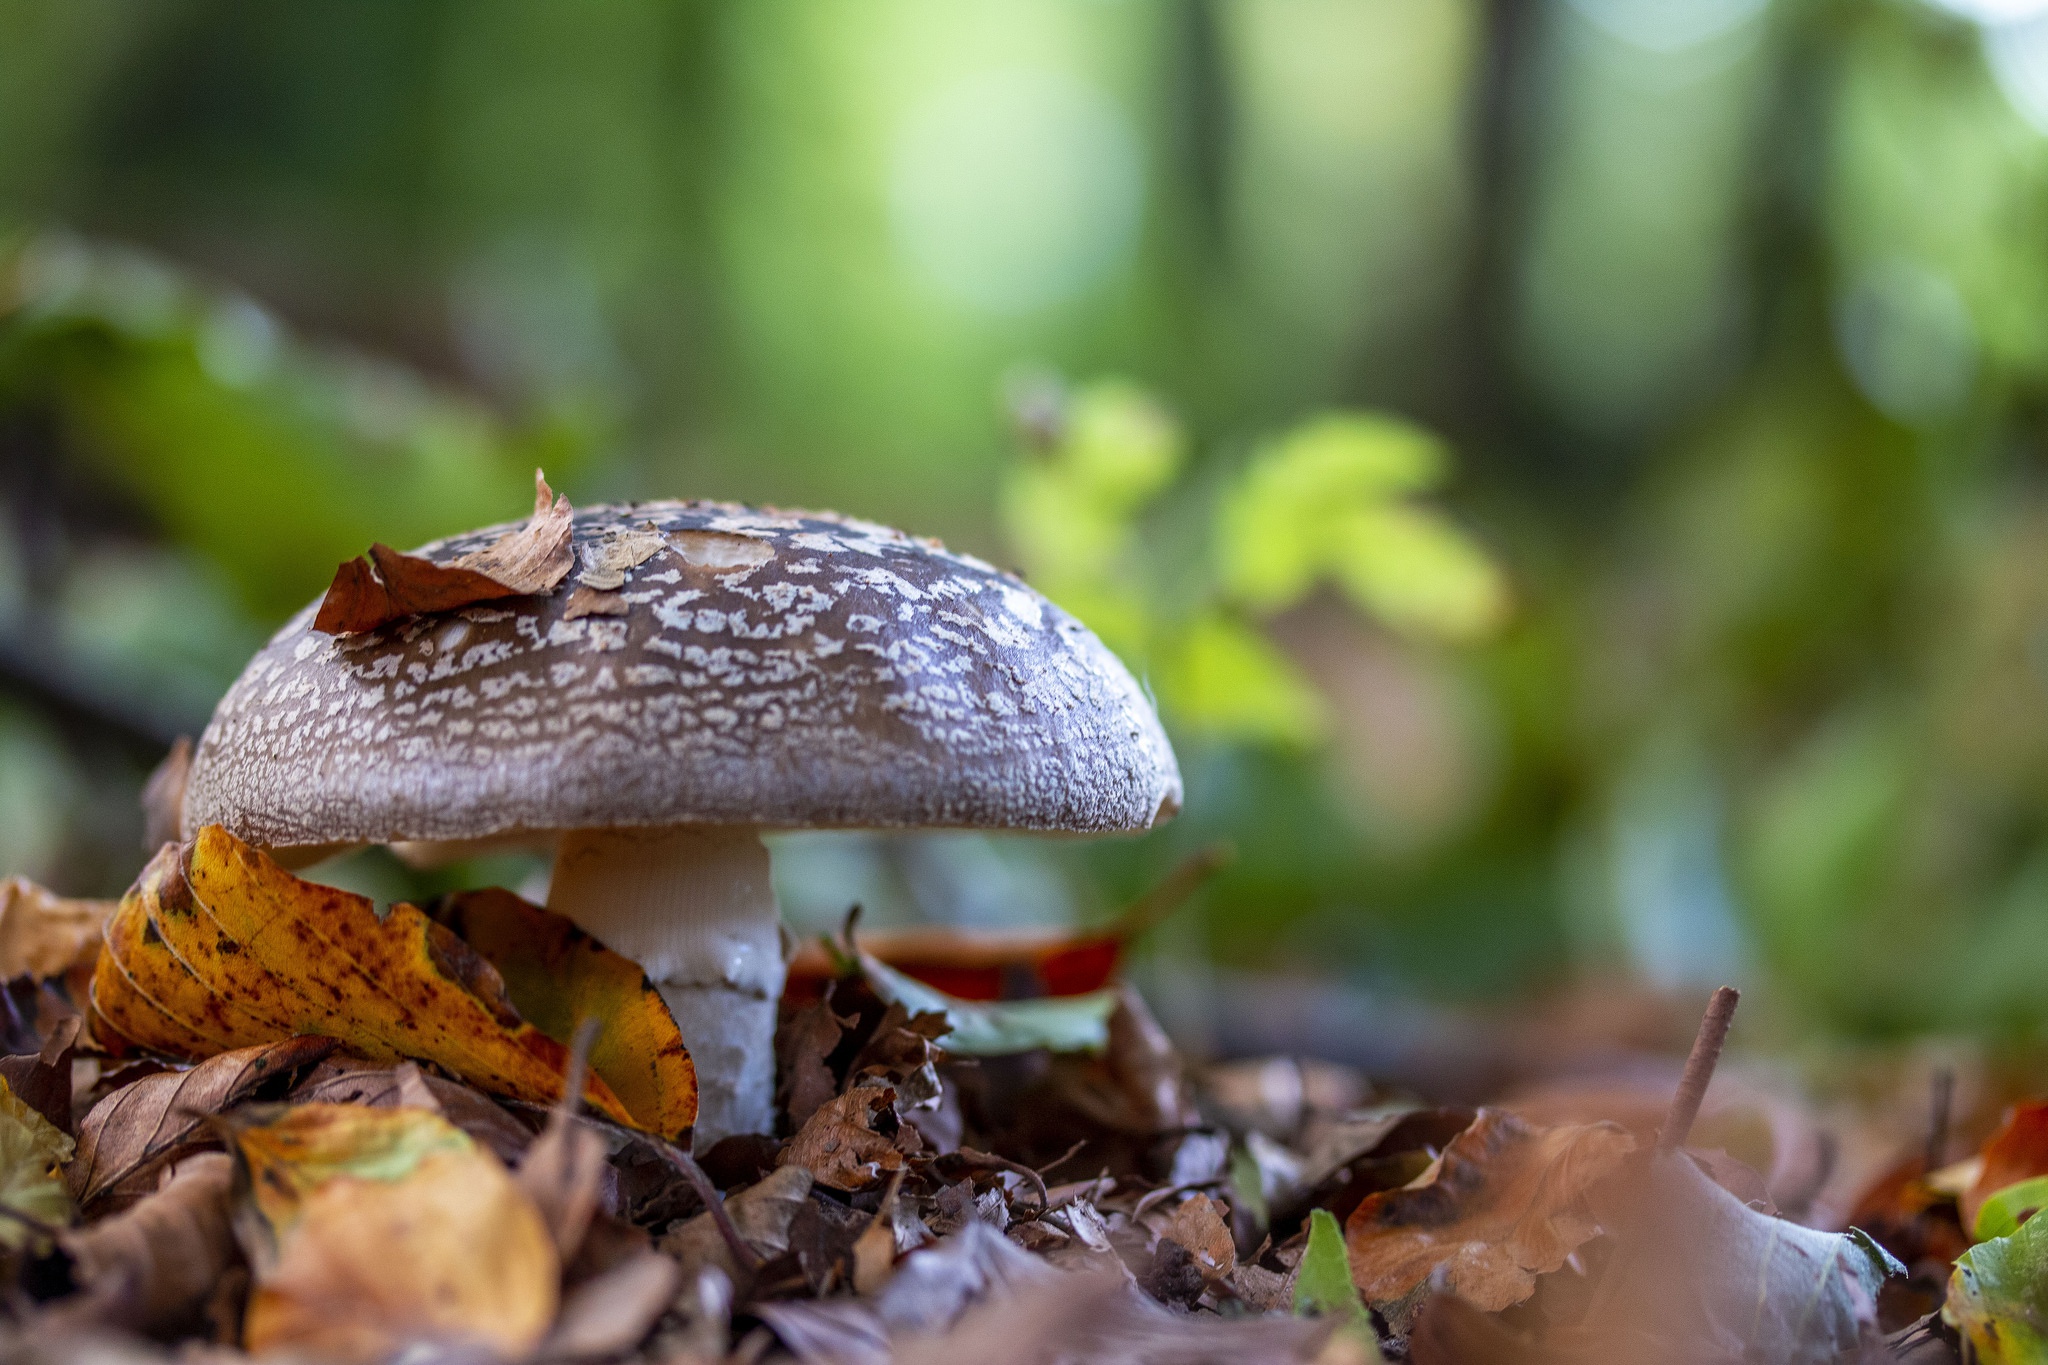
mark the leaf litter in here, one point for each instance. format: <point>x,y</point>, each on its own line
<point>378,1139</point>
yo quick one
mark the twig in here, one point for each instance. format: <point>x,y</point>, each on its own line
<point>1155,906</point>
<point>1154,1198</point>
<point>1938,1120</point>
<point>1699,1071</point>
<point>580,1044</point>
<point>1063,1158</point>
<point>988,1161</point>
<point>745,1256</point>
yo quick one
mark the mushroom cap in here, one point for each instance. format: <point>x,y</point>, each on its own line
<point>772,668</point>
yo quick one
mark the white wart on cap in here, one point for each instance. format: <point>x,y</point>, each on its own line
<point>710,670</point>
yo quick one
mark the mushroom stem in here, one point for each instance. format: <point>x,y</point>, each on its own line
<point>693,905</point>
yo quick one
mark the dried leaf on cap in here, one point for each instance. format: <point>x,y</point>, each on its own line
<point>850,1143</point>
<point>368,1229</point>
<point>1506,1202</point>
<point>606,559</point>
<point>592,602</point>
<point>388,586</point>
<point>252,954</point>
<point>129,1133</point>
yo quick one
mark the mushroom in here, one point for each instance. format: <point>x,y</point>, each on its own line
<point>712,672</point>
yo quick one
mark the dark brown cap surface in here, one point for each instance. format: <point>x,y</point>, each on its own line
<point>711,664</point>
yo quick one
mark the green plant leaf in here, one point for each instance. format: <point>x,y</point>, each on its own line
<point>1068,1023</point>
<point>1322,1284</point>
<point>1223,677</point>
<point>1415,571</point>
<point>2004,1212</point>
<point>32,1154</point>
<point>1120,445</point>
<point>1998,1297</point>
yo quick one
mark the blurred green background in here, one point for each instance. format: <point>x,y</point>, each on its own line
<point>1572,471</point>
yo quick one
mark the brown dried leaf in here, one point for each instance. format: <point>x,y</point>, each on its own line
<point>163,797</point>
<point>42,1080</point>
<point>592,602</point>
<point>133,1130</point>
<point>612,1312</point>
<point>1199,1225</point>
<point>802,1046</point>
<point>1506,1202</point>
<point>762,1214</point>
<point>850,1143</point>
<point>606,560</point>
<point>389,586</point>
<point>350,1080</point>
<point>45,934</point>
<point>563,1174</point>
<point>153,1265</point>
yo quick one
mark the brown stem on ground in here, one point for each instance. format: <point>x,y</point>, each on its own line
<point>743,1255</point>
<point>1699,1071</point>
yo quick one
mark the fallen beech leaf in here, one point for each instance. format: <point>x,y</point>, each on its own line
<point>850,1143</point>
<point>132,1131</point>
<point>1198,1224</point>
<point>1506,1202</point>
<point>389,586</point>
<point>217,947</point>
<point>761,1213</point>
<point>557,976</point>
<point>349,1080</point>
<point>612,1312</point>
<point>163,797</point>
<point>1998,1297</point>
<point>45,934</point>
<point>802,1046</point>
<point>43,1079</point>
<point>2016,1152</point>
<point>32,1152</point>
<point>152,1265</point>
<point>1699,1265</point>
<point>368,1229</point>
<point>1073,1023</point>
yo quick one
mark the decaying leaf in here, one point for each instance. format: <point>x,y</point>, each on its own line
<point>1074,1023</point>
<point>761,1213</point>
<point>32,1152</point>
<point>151,1266</point>
<point>132,1131</point>
<point>606,560</point>
<point>612,1312</point>
<point>368,1229</point>
<point>558,976</point>
<point>388,586</point>
<point>2017,1151</point>
<point>592,602</point>
<point>216,948</point>
<point>44,934</point>
<point>163,797</point>
<point>42,1079</point>
<point>1506,1202</point>
<point>350,1080</point>
<point>1198,1224</point>
<point>1706,1274</point>
<point>1998,1297</point>
<point>850,1143</point>
<point>805,1041</point>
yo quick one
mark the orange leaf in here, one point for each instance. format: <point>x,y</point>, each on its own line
<point>389,586</point>
<point>1506,1202</point>
<point>2017,1151</point>
<point>241,952</point>
<point>557,976</point>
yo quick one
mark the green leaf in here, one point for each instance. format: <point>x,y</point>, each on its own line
<point>1322,1283</point>
<point>1224,678</point>
<point>32,1154</point>
<point>1067,1023</point>
<point>1998,1297</point>
<point>1120,445</point>
<point>1417,572</point>
<point>2004,1211</point>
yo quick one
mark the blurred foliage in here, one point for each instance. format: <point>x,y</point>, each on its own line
<point>1731,310</point>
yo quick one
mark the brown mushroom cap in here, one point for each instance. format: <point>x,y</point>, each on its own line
<point>783,669</point>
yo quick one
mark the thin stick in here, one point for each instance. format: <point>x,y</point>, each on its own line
<point>1938,1121</point>
<point>1699,1071</point>
<point>748,1259</point>
<point>1157,905</point>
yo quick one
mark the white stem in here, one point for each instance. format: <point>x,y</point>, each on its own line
<point>695,908</point>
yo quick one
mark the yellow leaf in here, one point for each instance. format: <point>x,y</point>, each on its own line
<point>1226,678</point>
<point>557,976</point>
<point>368,1229</point>
<point>1418,573</point>
<point>32,1154</point>
<point>241,952</point>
